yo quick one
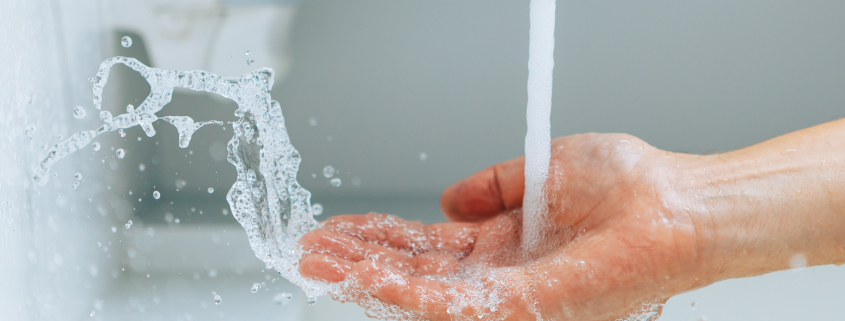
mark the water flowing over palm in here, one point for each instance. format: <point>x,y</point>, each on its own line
<point>617,244</point>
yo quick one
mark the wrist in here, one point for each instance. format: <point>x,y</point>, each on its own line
<point>758,211</point>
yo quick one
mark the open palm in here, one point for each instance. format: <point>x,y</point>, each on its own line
<point>617,243</point>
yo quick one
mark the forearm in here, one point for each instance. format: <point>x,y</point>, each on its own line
<point>761,208</point>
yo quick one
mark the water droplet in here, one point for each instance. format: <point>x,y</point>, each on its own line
<point>79,112</point>
<point>106,117</point>
<point>317,209</point>
<point>77,176</point>
<point>92,313</point>
<point>139,138</point>
<point>113,229</point>
<point>61,137</point>
<point>75,185</point>
<point>156,195</point>
<point>120,153</point>
<point>282,298</point>
<point>176,221</point>
<point>335,182</point>
<point>90,79</point>
<point>30,131</point>
<point>312,121</point>
<point>423,156</point>
<point>255,287</point>
<point>210,190</point>
<point>249,62</point>
<point>126,42</point>
<point>225,211</point>
<point>121,132</point>
<point>328,171</point>
<point>798,261</point>
<point>96,146</point>
<point>99,244</point>
<point>217,299</point>
<point>312,300</point>
<point>247,52</point>
<point>142,167</point>
<point>693,304</point>
<point>212,273</point>
<point>128,224</point>
<point>180,183</point>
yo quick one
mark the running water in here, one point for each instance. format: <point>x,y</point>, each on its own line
<point>266,199</point>
<point>541,63</point>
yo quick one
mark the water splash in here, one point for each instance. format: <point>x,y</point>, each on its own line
<point>265,199</point>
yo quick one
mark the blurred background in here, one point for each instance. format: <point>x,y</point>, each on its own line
<point>401,97</point>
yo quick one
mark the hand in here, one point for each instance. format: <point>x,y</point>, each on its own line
<point>620,242</point>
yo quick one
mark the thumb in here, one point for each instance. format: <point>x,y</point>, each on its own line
<point>485,194</point>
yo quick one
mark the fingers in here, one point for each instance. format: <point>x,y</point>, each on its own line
<point>427,299</point>
<point>486,193</point>
<point>324,267</point>
<point>346,247</point>
<point>413,237</point>
<point>431,299</point>
<point>352,249</point>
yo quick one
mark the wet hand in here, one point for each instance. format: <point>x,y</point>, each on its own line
<point>618,242</point>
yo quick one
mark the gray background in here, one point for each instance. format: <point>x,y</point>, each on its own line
<point>385,80</point>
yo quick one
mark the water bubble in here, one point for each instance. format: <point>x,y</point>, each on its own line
<point>317,209</point>
<point>328,171</point>
<point>114,229</point>
<point>168,217</point>
<point>128,224</point>
<point>176,221</point>
<point>225,211</point>
<point>212,273</point>
<point>693,305</point>
<point>423,156</point>
<point>210,190</point>
<point>217,299</point>
<point>139,138</point>
<point>79,112</point>
<point>142,167</point>
<point>77,176</point>
<point>130,109</point>
<point>255,287</point>
<point>120,153</point>
<point>180,183</point>
<point>106,116</point>
<point>156,195</point>
<point>30,131</point>
<point>282,298</point>
<point>126,42</point>
<point>249,62</point>
<point>121,132</point>
<point>96,146</point>
<point>312,300</point>
<point>75,185</point>
<point>312,121</point>
<point>61,137</point>
<point>335,182</point>
<point>247,52</point>
<point>92,313</point>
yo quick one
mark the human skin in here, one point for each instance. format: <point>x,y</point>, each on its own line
<point>628,224</point>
